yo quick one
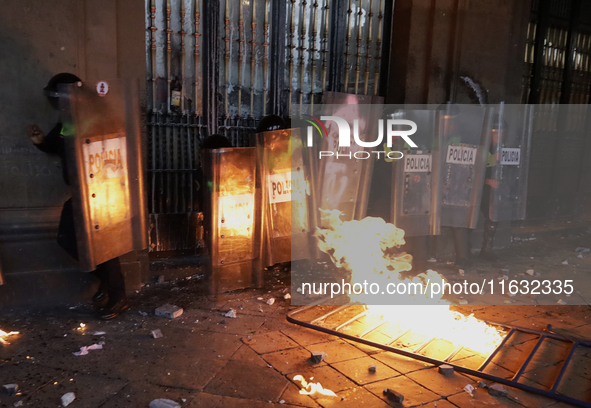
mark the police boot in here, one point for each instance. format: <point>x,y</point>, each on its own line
<point>115,306</point>
<point>418,250</point>
<point>488,237</point>
<point>462,247</point>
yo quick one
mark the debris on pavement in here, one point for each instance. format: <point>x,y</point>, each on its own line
<point>461,272</point>
<point>10,389</point>
<point>287,296</point>
<point>169,311</point>
<point>446,370</point>
<point>469,388</point>
<point>271,301</point>
<point>580,256</point>
<point>463,302</point>
<point>497,390</point>
<point>481,384</point>
<point>18,404</point>
<point>530,272</point>
<point>85,349</point>
<point>393,395</point>
<point>164,403</point>
<point>68,398</point>
<point>565,262</point>
<point>583,250</point>
<point>561,302</point>
<point>99,333</point>
<point>231,314</point>
<point>373,368</point>
<point>318,356</point>
<point>157,334</point>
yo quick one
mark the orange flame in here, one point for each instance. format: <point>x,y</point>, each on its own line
<point>4,334</point>
<point>368,246</point>
<point>310,388</point>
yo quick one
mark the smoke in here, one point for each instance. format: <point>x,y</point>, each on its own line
<point>480,93</point>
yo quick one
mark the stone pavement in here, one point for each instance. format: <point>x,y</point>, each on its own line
<point>207,360</point>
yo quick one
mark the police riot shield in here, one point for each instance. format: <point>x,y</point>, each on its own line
<point>345,172</point>
<point>416,192</point>
<point>465,140</point>
<point>101,129</point>
<point>232,215</point>
<point>508,162</point>
<point>285,196</point>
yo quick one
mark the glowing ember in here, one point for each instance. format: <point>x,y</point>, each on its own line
<point>310,388</point>
<point>4,335</point>
<point>370,245</point>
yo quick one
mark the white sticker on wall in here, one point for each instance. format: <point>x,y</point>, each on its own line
<point>102,88</point>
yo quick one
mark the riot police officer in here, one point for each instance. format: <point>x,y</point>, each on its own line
<point>490,227</point>
<point>110,297</point>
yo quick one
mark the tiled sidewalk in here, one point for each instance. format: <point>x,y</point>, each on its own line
<point>207,360</point>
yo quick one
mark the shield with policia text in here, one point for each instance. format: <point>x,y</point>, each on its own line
<point>285,196</point>
<point>465,139</point>
<point>508,162</point>
<point>344,173</point>
<point>101,129</point>
<point>416,192</point>
<point>232,218</point>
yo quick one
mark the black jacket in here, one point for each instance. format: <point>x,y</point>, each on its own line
<point>53,143</point>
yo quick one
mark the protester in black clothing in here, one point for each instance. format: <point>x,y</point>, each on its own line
<point>110,296</point>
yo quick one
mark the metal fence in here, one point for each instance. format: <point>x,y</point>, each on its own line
<point>218,66</point>
<point>557,70</point>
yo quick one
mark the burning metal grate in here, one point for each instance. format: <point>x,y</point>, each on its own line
<point>561,362</point>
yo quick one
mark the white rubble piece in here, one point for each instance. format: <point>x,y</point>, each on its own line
<point>231,314</point>
<point>169,311</point>
<point>85,349</point>
<point>270,301</point>
<point>164,403</point>
<point>530,272</point>
<point>287,296</point>
<point>469,388</point>
<point>68,398</point>
<point>157,334</point>
<point>10,389</point>
<point>318,356</point>
<point>565,262</point>
<point>463,302</point>
<point>580,256</point>
<point>393,395</point>
<point>373,368</point>
<point>446,370</point>
<point>99,333</point>
<point>497,390</point>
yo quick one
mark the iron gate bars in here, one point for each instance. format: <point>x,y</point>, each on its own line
<point>479,372</point>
